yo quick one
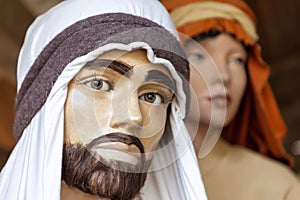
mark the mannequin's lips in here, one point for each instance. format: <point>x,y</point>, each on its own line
<point>124,141</point>
<point>220,99</point>
<point>119,151</point>
<point>119,146</point>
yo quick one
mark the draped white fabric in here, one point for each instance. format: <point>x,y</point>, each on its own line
<point>33,170</point>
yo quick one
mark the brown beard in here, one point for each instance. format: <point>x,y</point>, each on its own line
<point>95,175</point>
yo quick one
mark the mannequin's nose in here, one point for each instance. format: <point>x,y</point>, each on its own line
<point>223,70</point>
<point>134,110</point>
<point>127,112</point>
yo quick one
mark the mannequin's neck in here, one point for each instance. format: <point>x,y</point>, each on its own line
<point>202,131</point>
<point>70,193</point>
<point>199,137</point>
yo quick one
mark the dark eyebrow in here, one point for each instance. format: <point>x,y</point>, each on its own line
<point>160,77</point>
<point>121,68</point>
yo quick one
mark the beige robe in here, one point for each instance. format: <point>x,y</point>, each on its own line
<point>232,172</point>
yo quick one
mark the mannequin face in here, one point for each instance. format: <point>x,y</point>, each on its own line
<point>218,77</point>
<point>128,96</point>
<point>115,112</point>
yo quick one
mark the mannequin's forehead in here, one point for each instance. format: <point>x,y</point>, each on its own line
<point>131,58</point>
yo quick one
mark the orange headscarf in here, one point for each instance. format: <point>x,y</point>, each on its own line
<point>258,124</point>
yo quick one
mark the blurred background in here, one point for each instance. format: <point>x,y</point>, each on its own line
<point>279,36</point>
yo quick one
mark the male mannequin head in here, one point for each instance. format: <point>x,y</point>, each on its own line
<point>115,116</point>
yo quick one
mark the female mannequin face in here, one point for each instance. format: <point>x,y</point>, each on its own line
<point>218,77</point>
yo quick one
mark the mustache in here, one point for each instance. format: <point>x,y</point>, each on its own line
<point>117,137</point>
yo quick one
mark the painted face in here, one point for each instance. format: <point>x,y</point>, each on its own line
<point>218,77</point>
<point>120,92</point>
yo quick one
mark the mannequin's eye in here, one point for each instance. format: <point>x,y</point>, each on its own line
<point>196,56</point>
<point>98,84</point>
<point>239,61</point>
<point>152,98</point>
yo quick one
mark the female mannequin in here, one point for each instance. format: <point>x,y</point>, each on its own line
<point>235,100</point>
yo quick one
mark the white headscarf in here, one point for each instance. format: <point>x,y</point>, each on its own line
<point>33,170</point>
